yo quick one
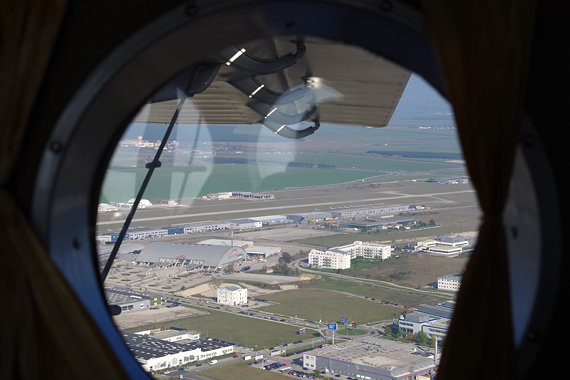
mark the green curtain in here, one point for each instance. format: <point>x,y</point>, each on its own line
<point>483,48</point>
<point>46,332</point>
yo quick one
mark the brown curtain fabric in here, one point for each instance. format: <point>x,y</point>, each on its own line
<point>46,333</point>
<point>483,47</point>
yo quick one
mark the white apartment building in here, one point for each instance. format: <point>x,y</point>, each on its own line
<point>368,250</point>
<point>340,257</point>
<point>329,258</point>
<point>232,295</point>
<point>449,282</point>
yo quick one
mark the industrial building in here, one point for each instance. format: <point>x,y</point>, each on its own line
<point>127,300</point>
<point>432,320</point>
<point>340,257</point>
<point>382,224</point>
<point>237,195</point>
<point>310,216</point>
<point>443,245</point>
<point>262,251</point>
<point>244,224</point>
<point>271,219</point>
<point>374,210</point>
<point>373,358</point>
<point>232,295</point>
<point>173,335</point>
<point>166,253</point>
<point>156,354</point>
<point>189,228</point>
<point>227,242</point>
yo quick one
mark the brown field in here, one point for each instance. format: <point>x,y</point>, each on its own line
<point>413,270</point>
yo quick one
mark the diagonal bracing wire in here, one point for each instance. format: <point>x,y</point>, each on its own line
<point>155,163</point>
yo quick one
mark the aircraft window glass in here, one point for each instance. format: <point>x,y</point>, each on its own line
<point>258,189</point>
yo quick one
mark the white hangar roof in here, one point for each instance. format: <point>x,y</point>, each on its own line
<point>208,255</point>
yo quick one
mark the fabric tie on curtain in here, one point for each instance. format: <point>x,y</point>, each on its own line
<point>483,48</point>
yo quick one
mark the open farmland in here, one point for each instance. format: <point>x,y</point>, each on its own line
<point>412,270</point>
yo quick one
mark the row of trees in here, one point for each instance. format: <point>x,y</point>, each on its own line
<point>420,338</point>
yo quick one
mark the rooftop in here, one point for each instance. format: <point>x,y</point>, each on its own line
<point>377,353</point>
<point>146,347</point>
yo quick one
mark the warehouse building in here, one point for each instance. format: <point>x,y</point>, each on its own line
<point>382,224</point>
<point>271,219</point>
<point>156,354</point>
<point>227,242</point>
<point>310,217</point>
<point>443,245</point>
<point>173,335</point>
<point>432,320</point>
<point>262,251</point>
<point>189,228</point>
<point>166,253</point>
<point>244,224</point>
<point>127,300</point>
<point>374,210</point>
<point>374,359</point>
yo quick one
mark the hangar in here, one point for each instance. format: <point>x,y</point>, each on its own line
<point>183,253</point>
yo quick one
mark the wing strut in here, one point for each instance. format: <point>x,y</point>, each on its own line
<point>151,166</point>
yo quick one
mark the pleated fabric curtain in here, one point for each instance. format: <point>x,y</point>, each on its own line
<point>46,333</point>
<point>483,49</point>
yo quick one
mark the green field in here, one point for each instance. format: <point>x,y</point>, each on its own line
<point>262,161</point>
<point>239,372</point>
<point>325,305</point>
<point>235,328</point>
<point>189,182</point>
<point>381,292</point>
<point>352,332</point>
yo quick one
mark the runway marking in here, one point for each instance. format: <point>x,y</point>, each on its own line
<point>405,196</point>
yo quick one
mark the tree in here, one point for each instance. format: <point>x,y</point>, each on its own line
<point>432,222</point>
<point>421,338</point>
<point>286,256</point>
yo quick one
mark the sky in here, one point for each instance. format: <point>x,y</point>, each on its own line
<point>422,104</point>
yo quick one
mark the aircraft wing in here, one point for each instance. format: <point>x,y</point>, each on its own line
<point>286,81</point>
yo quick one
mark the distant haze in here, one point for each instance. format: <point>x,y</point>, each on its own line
<point>422,104</point>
